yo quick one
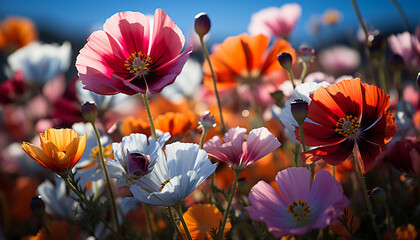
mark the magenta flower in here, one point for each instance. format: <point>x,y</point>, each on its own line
<point>300,207</point>
<point>120,59</point>
<point>239,153</point>
<point>275,21</point>
<point>408,47</point>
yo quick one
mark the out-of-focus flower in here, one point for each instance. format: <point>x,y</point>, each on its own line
<point>201,219</point>
<point>331,17</point>
<point>206,121</point>
<point>56,230</point>
<point>299,207</point>
<point>177,124</point>
<point>347,113</point>
<point>244,59</point>
<point>120,59</point>
<point>131,125</point>
<point>239,153</point>
<point>404,155</point>
<point>408,232</point>
<point>408,47</point>
<point>351,219</point>
<point>61,149</point>
<point>135,157</point>
<point>275,21</point>
<point>12,89</point>
<point>16,32</point>
<point>339,59</point>
<point>40,63</point>
<point>176,174</point>
<point>186,84</point>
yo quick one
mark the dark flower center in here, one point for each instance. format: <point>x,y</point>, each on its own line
<point>347,126</point>
<point>138,63</point>
<point>162,185</point>
<point>137,164</point>
<point>299,209</point>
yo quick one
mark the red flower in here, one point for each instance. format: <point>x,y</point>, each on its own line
<point>343,114</point>
<point>120,58</point>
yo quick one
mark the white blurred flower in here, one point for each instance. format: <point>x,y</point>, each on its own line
<point>40,63</point>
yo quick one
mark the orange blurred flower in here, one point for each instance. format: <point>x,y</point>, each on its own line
<point>177,124</point>
<point>131,125</point>
<point>244,59</point>
<point>408,232</point>
<point>331,17</point>
<point>61,149</point>
<point>200,220</point>
<point>16,32</point>
<point>56,230</point>
<point>352,220</point>
<point>342,172</point>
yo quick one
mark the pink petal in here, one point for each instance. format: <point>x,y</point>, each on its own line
<point>294,183</point>
<point>131,30</point>
<point>260,142</point>
<point>234,133</point>
<point>167,40</point>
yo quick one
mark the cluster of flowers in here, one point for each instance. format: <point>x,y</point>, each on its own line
<point>117,156</point>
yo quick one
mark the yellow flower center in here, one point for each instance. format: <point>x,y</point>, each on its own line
<point>138,63</point>
<point>106,151</point>
<point>299,209</point>
<point>347,126</point>
<point>162,185</point>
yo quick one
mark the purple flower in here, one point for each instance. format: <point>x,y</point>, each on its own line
<point>239,153</point>
<point>137,164</point>
<point>300,207</point>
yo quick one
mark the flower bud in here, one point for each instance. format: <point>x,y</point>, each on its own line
<point>206,121</point>
<point>379,195</point>
<point>278,98</point>
<point>202,24</point>
<point>306,54</point>
<point>377,44</point>
<point>89,111</point>
<point>285,60</point>
<point>396,62</point>
<point>137,164</point>
<point>38,206</point>
<point>299,108</point>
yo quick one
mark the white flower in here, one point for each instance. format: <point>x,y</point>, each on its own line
<point>135,158</point>
<point>176,174</point>
<point>41,62</point>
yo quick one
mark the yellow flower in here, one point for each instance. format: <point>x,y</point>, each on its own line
<point>200,220</point>
<point>331,17</point>
<point>61,149</point>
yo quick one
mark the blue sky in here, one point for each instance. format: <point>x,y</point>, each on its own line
<point>74,20</point>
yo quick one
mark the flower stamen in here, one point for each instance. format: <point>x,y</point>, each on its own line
<point>299,209</point>
<point>138,63</point>
<point>106,151</point>
<point>162,185</point>
<point>347,126</point>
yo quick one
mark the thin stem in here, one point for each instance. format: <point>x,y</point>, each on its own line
<point>402,14</point>
<point>222,227</point>
<point>289,71</point>
<point>397,83</point>
<point>362,24</point>
<point>203,135</point>
<point>108,181</point>
<point>181,217</point>
<point>206,56</point>
<point>388,216</point>
<point>365,192</point>
<point>333,169</point>
<point>149,221</point>
<point>81,197</point>
<point>302,140</point>
<point>382,76</point>
<point>304,70</point>
<point>172,218</point>
<point>152,126</point>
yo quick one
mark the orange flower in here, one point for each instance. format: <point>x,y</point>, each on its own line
<point>61,149</point>
<point>17,32</point>
<point>352,220</point>
<point>408,232</point>
<point>131,125</point>
<point>56,230</point>
<point>243,59</point>
<point>177,124</point>
<point>200,220</point>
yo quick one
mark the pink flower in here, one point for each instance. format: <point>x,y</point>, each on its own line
<point>239,153</point>
<point>300,207</point>
<point>339,59</point>
<point>406,46</point>
<point>120,59</point>
<point>274,21</point>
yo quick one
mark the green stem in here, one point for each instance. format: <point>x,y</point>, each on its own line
<point>402,14</point>
<point>172,218</point>
<point>397,83</point>
<point>292,79</point>
<point>232,192</point>
<point>149,221</point>
<point>203,135</point>
<point>333,169</point>
<point>365,192</point>
<point>388,216</point>
<point>382,77</point>
<point>181,217</point>
<point>362,24</point>
<point>302,140</point>
<point>206,56</point>
<point>152,126</point>
<point>304,70</point>
<point>108,181</point>
<point>81,197</point>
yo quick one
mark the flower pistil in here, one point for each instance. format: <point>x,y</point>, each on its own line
<point>347,126</point>
<point>138,63</point>
<point>299,209</point>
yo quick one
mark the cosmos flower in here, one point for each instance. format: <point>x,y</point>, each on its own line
<point>339,59</point>
<point>331,17</point>
<point>408,47</point>
<point>275,21</point>
<point>176,174</point>
<point>343,114</point>
<point>239,153</point>
<point>120,59</point>
<point>61,149</point>
<point>40,63</point>
<point>201,219</point>
<point>299,207</point>
<point>16,32</point>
